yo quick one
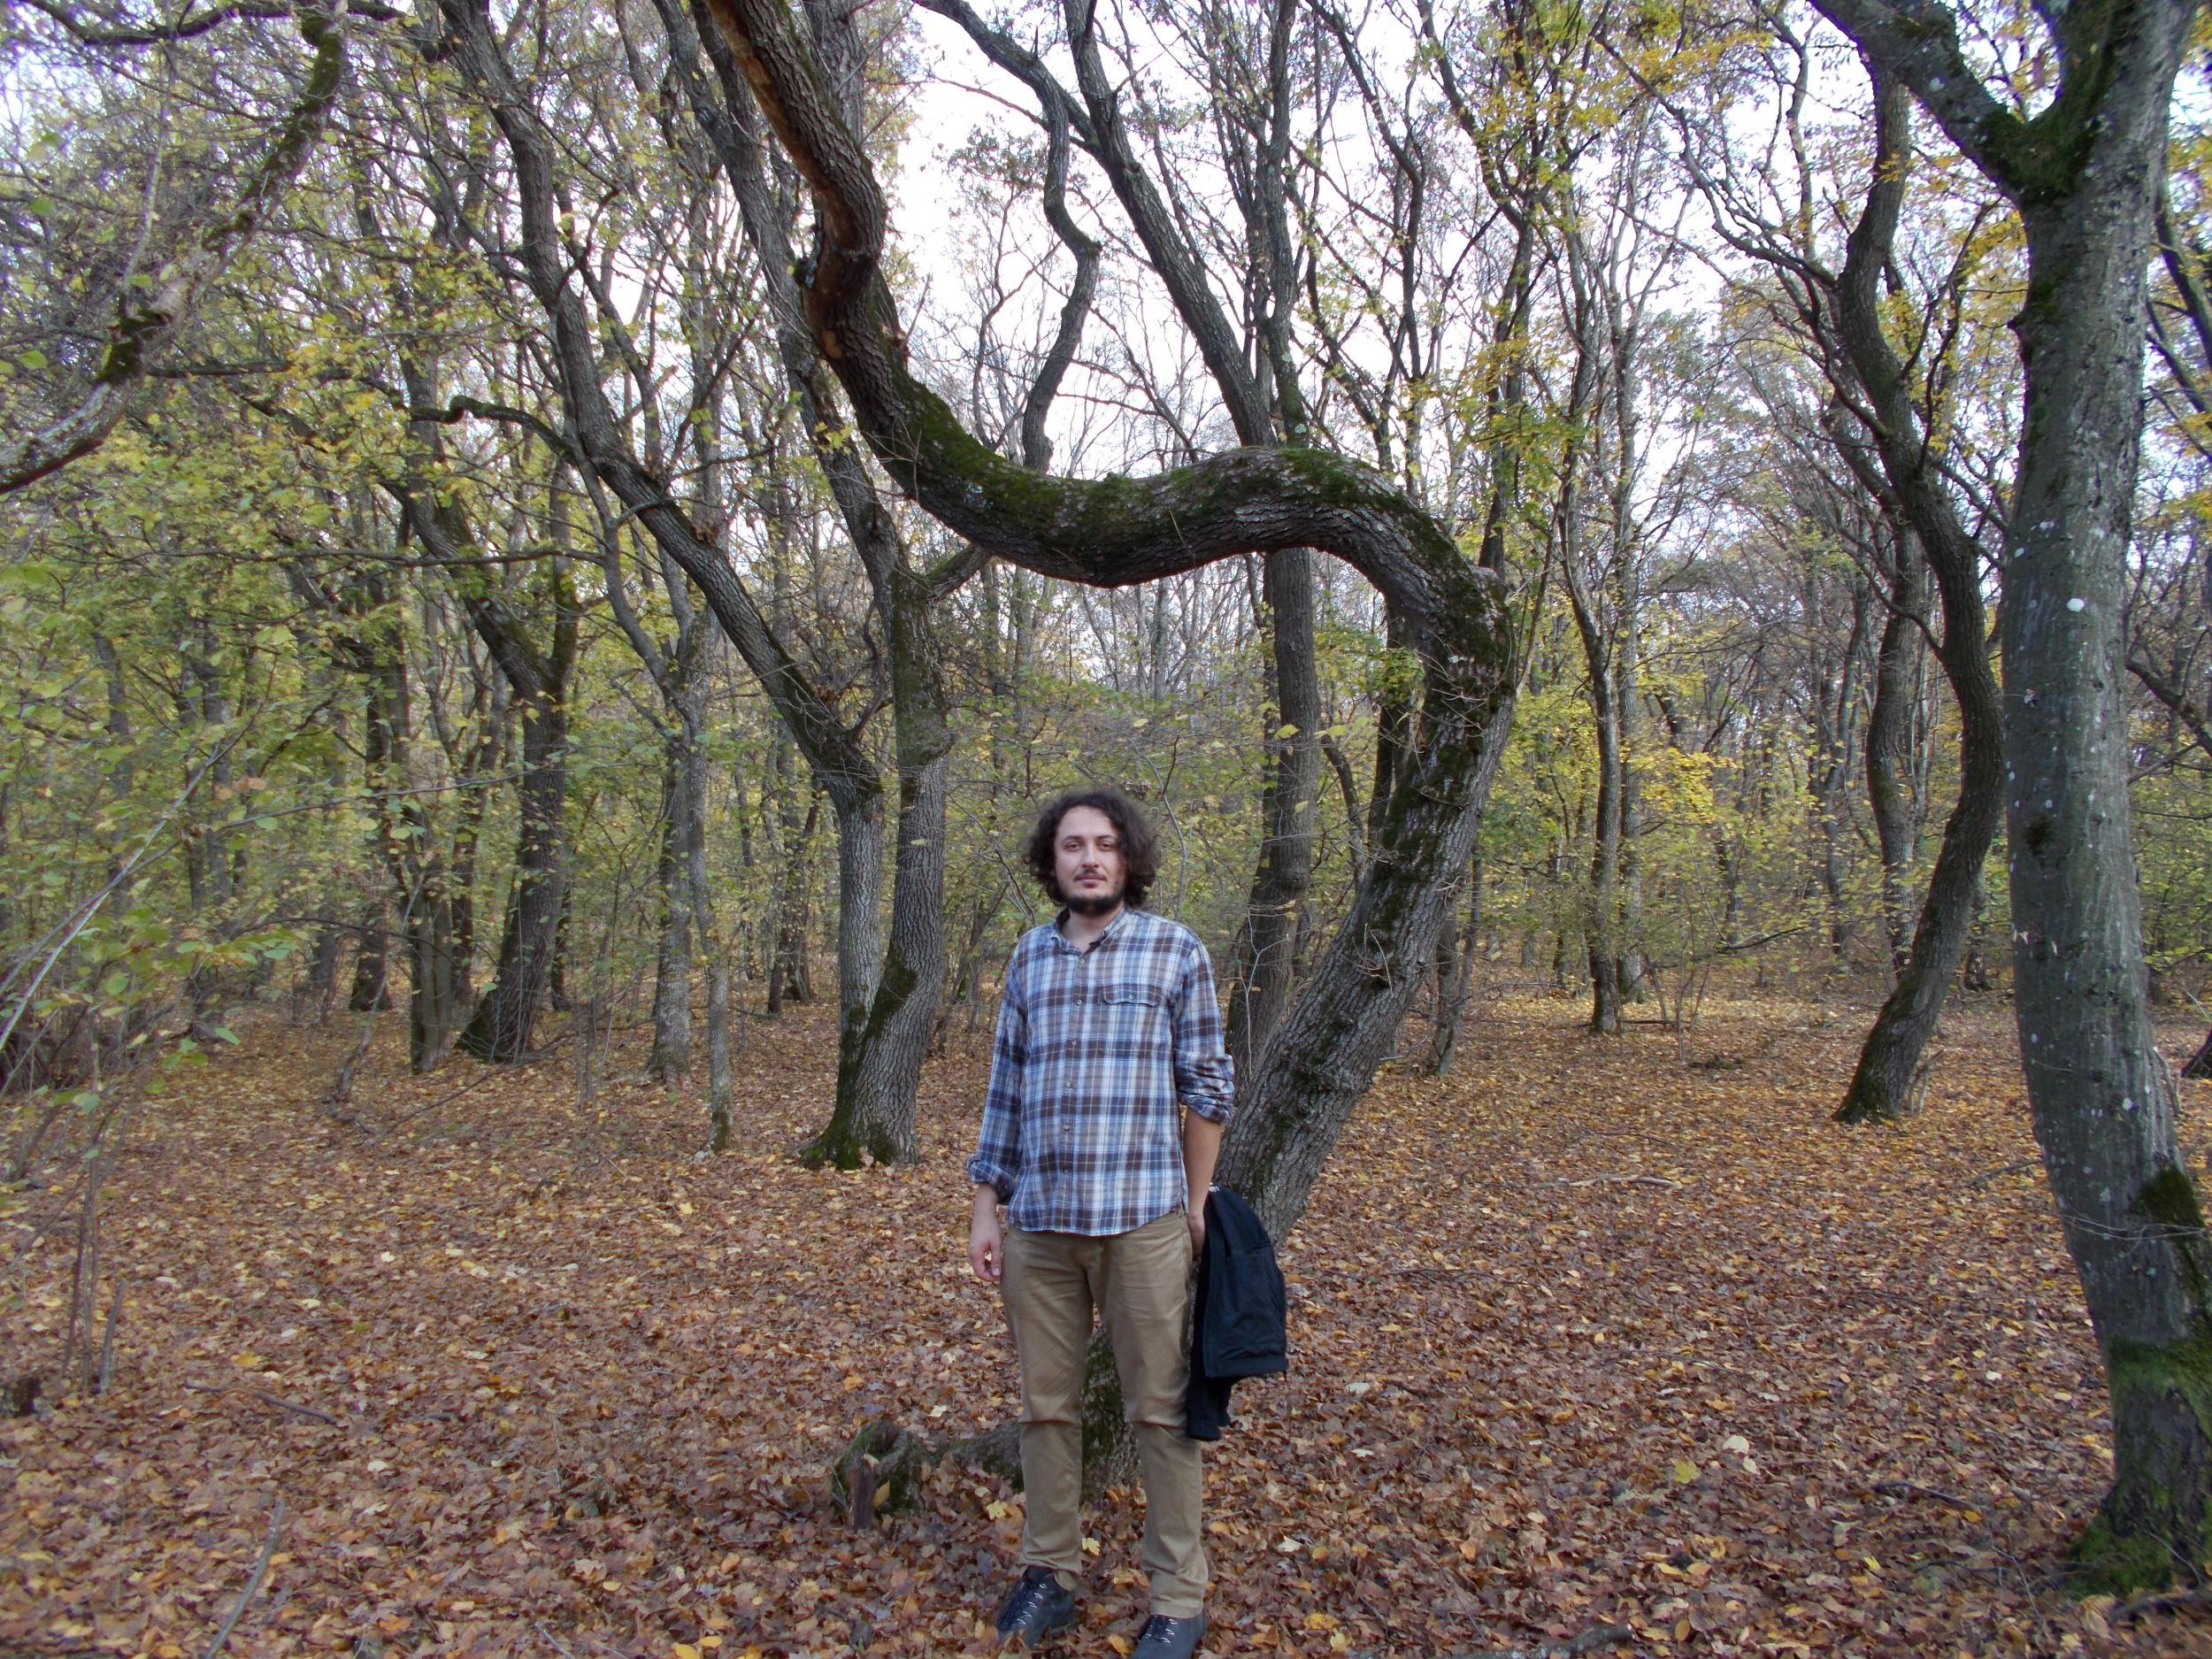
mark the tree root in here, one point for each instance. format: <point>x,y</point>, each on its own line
<point>879,1469</point>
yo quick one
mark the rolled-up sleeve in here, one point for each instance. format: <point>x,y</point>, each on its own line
<point>1205,1076</point>
<point>997,1159</point>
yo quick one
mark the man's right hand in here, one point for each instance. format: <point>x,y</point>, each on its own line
<point>987,1241</point>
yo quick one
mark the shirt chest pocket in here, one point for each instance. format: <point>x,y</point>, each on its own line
<point>1130,1019</point>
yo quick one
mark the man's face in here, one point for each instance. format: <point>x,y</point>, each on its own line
<point>1087,862</point>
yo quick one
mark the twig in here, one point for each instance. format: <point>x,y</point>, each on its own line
<point>2017,1166</point>
<point>1910,1489</point>
<point>253,1585</point>
<point>264,1395</point>
<point>106,1372</point>
<point>1589,1641</point>
<point>490,1072</point>
<point>2160,1601</point>
<point>1619,1180</point>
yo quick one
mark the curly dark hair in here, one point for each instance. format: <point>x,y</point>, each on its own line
<point>1140,848</point>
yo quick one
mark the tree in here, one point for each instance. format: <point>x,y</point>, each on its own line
<point>152,307</point>
<point>1122,529</point>
<point>2084,175</point>
<point>1883,423</point>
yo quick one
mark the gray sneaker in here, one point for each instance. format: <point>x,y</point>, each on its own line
<point>1166,1638</point>
<point>1035,1608</point>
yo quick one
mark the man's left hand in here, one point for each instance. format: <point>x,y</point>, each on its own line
<point>1197,1214</point>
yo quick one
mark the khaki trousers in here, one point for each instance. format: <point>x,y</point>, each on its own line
<point>1140,1282</point>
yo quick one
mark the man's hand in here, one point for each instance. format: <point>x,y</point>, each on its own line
<point>1197,1213</point>
<point>987,1242</point>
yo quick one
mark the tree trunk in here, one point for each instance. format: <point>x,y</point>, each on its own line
<point>880,1068</point>
<point>505,1021</point>
<point>671,1055</point>
<point>1889,724</point>
<point>1455,979</point>
<point>1605,866</point>
<point>1267,946</point>
<point>1889,1060</point>
<point>371,990</point>
<point>437,999</point>
<point>793,917</point>
<point>1926,517</point>
<point>715,953</point>
<point>2103,1113</point>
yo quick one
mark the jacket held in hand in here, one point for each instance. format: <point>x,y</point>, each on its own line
<point>1237,1329</point>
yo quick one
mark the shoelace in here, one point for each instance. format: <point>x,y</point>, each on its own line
<point>1028,1596</point>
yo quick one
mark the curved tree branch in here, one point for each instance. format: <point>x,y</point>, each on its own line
<point>1113,532</point>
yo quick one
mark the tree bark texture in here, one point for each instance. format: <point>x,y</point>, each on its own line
<point>505,1021</point>
<point>683,821</point>
<point>1889,731</point>
<point>874,1114</point>
<point>1267,947</point>
<point>2085,177</point>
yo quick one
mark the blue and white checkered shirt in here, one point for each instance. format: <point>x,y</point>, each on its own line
<point>1094,1050</point>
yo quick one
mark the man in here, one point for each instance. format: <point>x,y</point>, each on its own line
<point>1109,1090</point>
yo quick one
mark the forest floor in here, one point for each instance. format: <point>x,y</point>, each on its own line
<point>1584,1336</point>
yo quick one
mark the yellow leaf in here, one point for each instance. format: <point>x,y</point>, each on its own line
<point>684,1650</point>
<point>1685,1472</point>
<point>1120,1644</point>
<point>1090,1546</point>
<point>249,1362</point>
<point>998,1508</point>
<point>683,1207</point>
<point>1320,1621</point>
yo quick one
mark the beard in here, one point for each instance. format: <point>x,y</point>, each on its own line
<point>1092,903</point>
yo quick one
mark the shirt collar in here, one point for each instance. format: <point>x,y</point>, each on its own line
<point>1112,928</point>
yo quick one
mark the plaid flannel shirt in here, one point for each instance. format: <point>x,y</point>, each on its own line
<point>1094,1050</point>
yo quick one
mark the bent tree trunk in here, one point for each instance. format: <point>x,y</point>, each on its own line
<point>1914,495</point>
<point>2085,176</point>
<point>1118,531</point>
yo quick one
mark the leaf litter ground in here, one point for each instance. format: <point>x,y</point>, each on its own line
<point>1583,1338</point>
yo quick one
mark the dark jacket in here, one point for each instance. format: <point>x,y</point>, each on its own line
<point>1237,1319</point>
